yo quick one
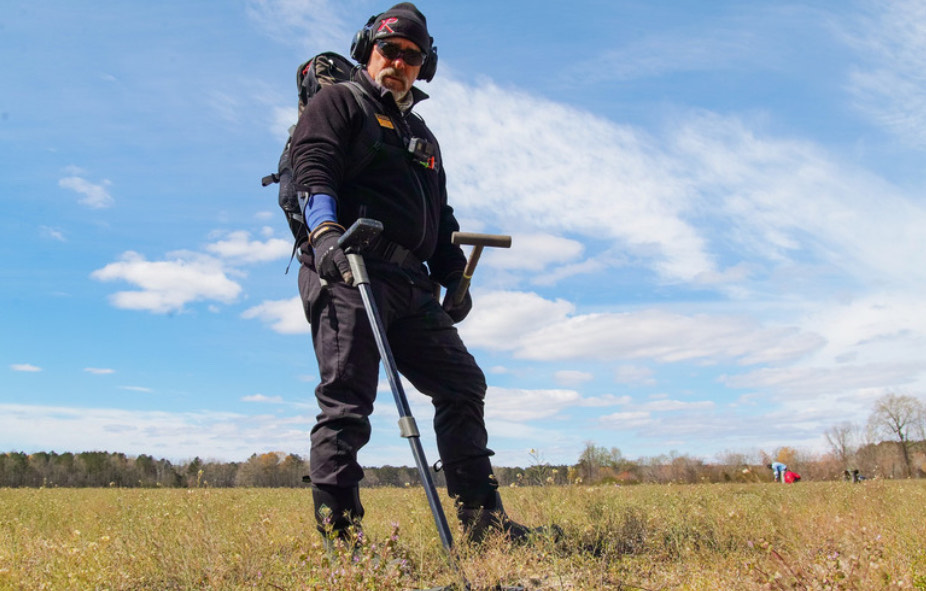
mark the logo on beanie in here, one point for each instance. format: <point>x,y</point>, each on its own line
<point>384,26</point>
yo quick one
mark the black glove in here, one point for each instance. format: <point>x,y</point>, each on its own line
<point>330,261</point>
<point>457,312</point>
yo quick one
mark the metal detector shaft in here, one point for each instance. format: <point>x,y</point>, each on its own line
<point>407,426</point>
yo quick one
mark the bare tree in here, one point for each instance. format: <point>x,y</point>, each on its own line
<point>895,416</point>
<point>844,442</point>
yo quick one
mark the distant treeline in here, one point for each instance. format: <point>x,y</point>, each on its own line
<point>276,469</point>
<point>596,465</point>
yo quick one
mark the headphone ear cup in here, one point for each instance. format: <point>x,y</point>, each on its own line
<point>429,67</point>
<point>362,44</point>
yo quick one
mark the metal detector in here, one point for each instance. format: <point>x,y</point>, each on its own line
<point>354,243</point>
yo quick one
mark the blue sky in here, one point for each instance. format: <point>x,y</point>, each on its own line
<point>717,213</point>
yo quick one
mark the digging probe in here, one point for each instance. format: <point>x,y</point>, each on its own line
<point>478,242</point>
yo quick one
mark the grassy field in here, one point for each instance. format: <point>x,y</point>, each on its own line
<point>706,537</point>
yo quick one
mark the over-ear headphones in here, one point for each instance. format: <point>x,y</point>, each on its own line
<point>362,45</point>
<point>429,67</point>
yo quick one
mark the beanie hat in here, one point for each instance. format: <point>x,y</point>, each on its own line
<point>403,20</point>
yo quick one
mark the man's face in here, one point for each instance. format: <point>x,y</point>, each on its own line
<point>396,75</point>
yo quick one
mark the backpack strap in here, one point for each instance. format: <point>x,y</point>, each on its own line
<point>374,138</point>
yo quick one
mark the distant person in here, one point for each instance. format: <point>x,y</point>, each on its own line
<point>791,477</point>
<point>852,476</point>
<point>778,469</point>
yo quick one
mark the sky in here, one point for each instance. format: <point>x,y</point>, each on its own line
<point>716,211</point>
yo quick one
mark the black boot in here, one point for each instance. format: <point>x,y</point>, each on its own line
<point>474,489</point>
<point>338,513</point>
<point>479,520</point>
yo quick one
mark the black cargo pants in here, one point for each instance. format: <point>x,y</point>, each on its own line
<point>428,351</point>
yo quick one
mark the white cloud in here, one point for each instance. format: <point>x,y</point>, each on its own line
<point>514,404</point>
<point>571,378</point>
<point>673,405</point>
<point>643,415</point>
<point>801,382</point>
<point>534,328</point>
<point>670,52</point>
<point>877,330</point>
<point>53,233</point>
<point>187,276</point>
<point>99,371</point>
<point>712,189</point>
<point>587,267</point>
<point>95,196</point>
<point>282,119</point>
<point>627,420</point>
<point>786,204</point>
<point>25,367</point>
<point>238,247</point>
<point>167,286</point>
<point>665,337</point>
<point>536,165</point>
<point>177,436</point>
<point>307,23</point>
<point>544,250</point>
<point>283,316</point>
<point>796,230</point>
<point>501,317</point>
<point>634,374</point>
<point>137,389</point>
<point>889,85</point>
<point>606,400</point>
<point>262,398</point>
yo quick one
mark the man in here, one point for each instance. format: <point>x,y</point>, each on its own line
<point>403,186</point>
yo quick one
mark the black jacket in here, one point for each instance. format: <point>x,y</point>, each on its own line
<point>409,198</point>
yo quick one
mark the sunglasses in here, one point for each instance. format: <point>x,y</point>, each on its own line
<point>392,52</point>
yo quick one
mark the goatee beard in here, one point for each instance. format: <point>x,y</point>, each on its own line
<point>398,95</point>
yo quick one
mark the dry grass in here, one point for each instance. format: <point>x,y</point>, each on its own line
<point>703,537</point>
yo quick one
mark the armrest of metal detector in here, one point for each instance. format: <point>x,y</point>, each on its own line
<point>355,242</point>
<point>360,235</point>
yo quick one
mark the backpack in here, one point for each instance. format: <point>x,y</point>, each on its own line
<point>322,70</point>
